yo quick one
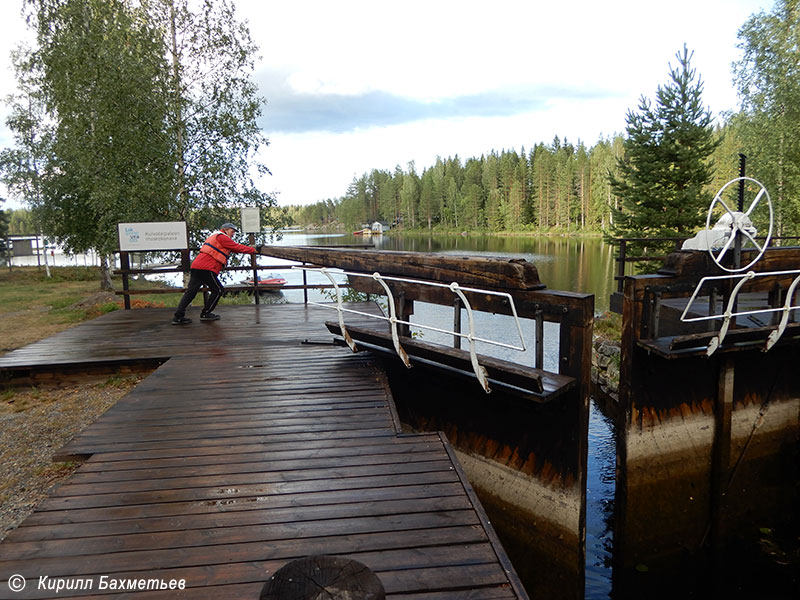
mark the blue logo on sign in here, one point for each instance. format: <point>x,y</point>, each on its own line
<point>133,235</point>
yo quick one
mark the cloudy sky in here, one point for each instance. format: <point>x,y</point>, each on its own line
<point>356,85</point>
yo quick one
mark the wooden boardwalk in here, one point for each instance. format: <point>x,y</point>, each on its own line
<point>245,450</point>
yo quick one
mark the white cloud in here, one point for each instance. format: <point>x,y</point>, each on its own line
<point>445,49</point>
<point>500,75</point>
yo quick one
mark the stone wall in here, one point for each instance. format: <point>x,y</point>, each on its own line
<point>605,366</point>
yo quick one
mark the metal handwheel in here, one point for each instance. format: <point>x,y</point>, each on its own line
<point>739,224</point>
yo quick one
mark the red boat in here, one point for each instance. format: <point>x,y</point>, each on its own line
<point>268,283</point>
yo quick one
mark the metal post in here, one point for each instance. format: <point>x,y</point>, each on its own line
<point>305,286</point>
<point>713,298</point>
<point>125,265</point>
<point>621,265</point>
<point>737,242</point>
<point>656,314</point>
<point>539,318</point>
<point>252,240</point>
<point>405,308</point>
<point>737,248</point>
<point>720,456</point>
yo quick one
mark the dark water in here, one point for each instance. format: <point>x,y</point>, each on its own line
<point>564,263</point>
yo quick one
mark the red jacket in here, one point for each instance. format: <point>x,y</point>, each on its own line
<point>214,252</point>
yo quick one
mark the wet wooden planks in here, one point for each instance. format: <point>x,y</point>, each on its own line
<point>130,335</point>
<point>243,452</point>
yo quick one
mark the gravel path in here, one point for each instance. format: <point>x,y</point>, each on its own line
<point>37,422</point>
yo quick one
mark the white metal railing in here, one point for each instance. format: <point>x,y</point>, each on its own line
<point>729,313</point>
<point>394,321</point>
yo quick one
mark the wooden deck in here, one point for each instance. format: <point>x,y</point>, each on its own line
<point>247,449</point>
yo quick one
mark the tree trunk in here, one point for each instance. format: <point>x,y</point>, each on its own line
<point>106,265</point>
<point>183,194</point>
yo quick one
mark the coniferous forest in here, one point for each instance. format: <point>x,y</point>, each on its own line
<point>559,187</point>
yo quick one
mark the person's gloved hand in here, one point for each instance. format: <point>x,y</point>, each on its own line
<point>259,248</point>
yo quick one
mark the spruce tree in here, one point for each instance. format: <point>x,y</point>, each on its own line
<point>662,175</point>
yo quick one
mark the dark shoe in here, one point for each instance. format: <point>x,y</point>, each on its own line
<point>209,317</point>
<point>181,321</point>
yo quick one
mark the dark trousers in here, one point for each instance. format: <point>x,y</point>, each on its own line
<point>197,279</point>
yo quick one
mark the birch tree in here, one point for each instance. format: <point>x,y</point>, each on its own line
<point>768,80</point>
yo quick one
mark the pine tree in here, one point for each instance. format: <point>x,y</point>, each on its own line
<point>665,167</point>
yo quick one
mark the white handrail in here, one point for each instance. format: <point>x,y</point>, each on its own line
<point>345,335</point>
<point>393,320</point>
<point>775,335</point>
<point>480,371</point>
<point>729,314</point>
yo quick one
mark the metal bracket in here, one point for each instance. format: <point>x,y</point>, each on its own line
<point>480,372</point>
<point>393,321</point>
<point>787,307</point>
<point>340,309</point>
<point>716,341</point>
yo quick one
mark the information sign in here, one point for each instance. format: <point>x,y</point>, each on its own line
<point>251,220</point>
<point>153,236</point>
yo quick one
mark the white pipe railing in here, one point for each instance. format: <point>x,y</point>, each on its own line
<point>730,314</point>
<point>480,371</point>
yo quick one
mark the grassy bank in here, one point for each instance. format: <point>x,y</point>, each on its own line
<point>38,421</point>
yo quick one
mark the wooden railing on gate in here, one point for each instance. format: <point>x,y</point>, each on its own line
<point>574,312</point>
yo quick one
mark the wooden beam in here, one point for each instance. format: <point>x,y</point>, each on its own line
<point>554,306</point>
<point>698,263</point>
<point>495,273</point>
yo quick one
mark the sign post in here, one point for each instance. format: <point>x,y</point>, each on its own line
<point>137,237</point>
<point>251,224</point>
<point>140,237</point>
<point>251,220</point>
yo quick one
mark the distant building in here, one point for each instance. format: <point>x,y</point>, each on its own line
<point>380,227</point>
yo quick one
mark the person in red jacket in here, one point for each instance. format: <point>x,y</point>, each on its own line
<point>205,267</point>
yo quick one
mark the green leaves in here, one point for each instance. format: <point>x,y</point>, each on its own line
<point>134,111</point>
<point>665,169</point>
<point>768,80</point>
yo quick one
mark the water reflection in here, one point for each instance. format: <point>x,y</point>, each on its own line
<point>600,478</point>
